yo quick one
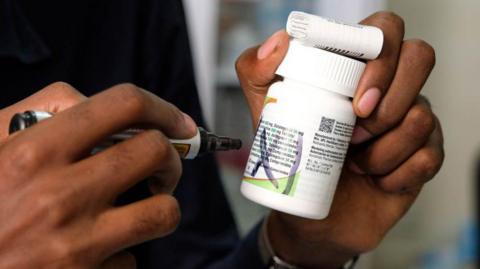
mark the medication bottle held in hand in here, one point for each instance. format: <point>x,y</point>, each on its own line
<point>303,133</point>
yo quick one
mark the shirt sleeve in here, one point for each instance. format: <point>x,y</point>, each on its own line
<point>207,237</point>
<point>245,255</point>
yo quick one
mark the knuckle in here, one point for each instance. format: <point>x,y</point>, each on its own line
<point>175,117</point>
<point>63,250</point>
<point>60,87</point>
<point>159,220</point>
<point>368,243</point>
<point>176,120</point>
<point>23,158</point>
<point>422,99</point>
<point>241,64</point>
<point>429,163</point>
<point>170,215</point>
<point>389,186</point>
<point>159,145</point>
<point>171,179</point>
<point>391,18</point>
<point>420,121</point>
<point>50,206</point>
<point>421,51</point>
<point>122,158</point>
<point>163,157</point>
<point>132,97</point>
<point>386,116</point>
<point>65,92</point>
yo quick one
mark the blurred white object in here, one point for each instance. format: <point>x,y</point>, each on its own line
<point>240,37</point>
<point>202,20</point>
<point>349,10</point>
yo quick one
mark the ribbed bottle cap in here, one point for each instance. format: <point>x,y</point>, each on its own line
<point>320,68</point>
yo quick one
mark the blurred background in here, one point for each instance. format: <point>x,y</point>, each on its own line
<point>439,232</point>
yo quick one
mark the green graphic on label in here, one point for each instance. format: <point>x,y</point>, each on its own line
<point>285,186</point>
<point>275,158</point>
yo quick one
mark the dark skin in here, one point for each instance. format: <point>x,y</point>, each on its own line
<point>57,200</point>
<point>398,147</point>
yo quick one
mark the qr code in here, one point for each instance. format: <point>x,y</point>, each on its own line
<point>326,125</point>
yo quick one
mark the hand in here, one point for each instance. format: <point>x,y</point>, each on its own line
<point>56,207</point>
<point>399,147</point>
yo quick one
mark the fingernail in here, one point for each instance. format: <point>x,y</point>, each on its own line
<point>190,124</point>
<point>369,101</point>
<point>269,46</point>
<point>355,168</point>
<point>360,135</point>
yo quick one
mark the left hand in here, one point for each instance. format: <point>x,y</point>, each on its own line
<point>399,148</point>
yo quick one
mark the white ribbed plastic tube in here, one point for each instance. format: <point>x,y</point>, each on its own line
<point>353,40</point>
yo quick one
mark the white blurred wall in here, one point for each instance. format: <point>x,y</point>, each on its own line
<point>202,19</point>
<point>349,10</point>
<point>446,203</point>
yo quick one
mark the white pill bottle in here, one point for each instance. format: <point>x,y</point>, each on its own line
<point>303,133</point>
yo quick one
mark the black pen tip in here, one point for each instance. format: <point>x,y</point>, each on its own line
<point>236,144</point>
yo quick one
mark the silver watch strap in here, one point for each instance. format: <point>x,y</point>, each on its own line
<point>266,251</point>
<point>277,263</point>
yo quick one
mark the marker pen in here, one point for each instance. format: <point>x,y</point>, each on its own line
<point>203,142</point>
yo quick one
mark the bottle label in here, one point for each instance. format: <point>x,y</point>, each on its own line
<point>299,157</point>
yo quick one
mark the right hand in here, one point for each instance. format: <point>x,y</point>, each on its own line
<point>56,200</point>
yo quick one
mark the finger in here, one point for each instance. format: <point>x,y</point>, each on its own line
<point>416,62</point>
<point>116,169</point>
<point>256,66</point>
<point>85,125</point>
<point>136,223</point>
<point>393,148</point>
<point>419,168</point>
<point>379,73</point>
<point>53,98</point>
<point>256,69</point>
<point>157,183</point>
<point>122,260</point>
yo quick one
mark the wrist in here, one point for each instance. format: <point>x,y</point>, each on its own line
<point>294,246</point>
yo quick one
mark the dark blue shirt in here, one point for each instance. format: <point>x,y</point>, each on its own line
<point>94,44</point>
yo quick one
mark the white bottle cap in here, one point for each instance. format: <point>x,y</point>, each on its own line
<point>322,69</point>
<point>355,40</point>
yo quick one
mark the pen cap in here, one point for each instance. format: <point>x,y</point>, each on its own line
<point>321,69</point>
<point>354,40</point>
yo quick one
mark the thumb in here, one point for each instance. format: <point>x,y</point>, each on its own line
<point>256,70</point>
